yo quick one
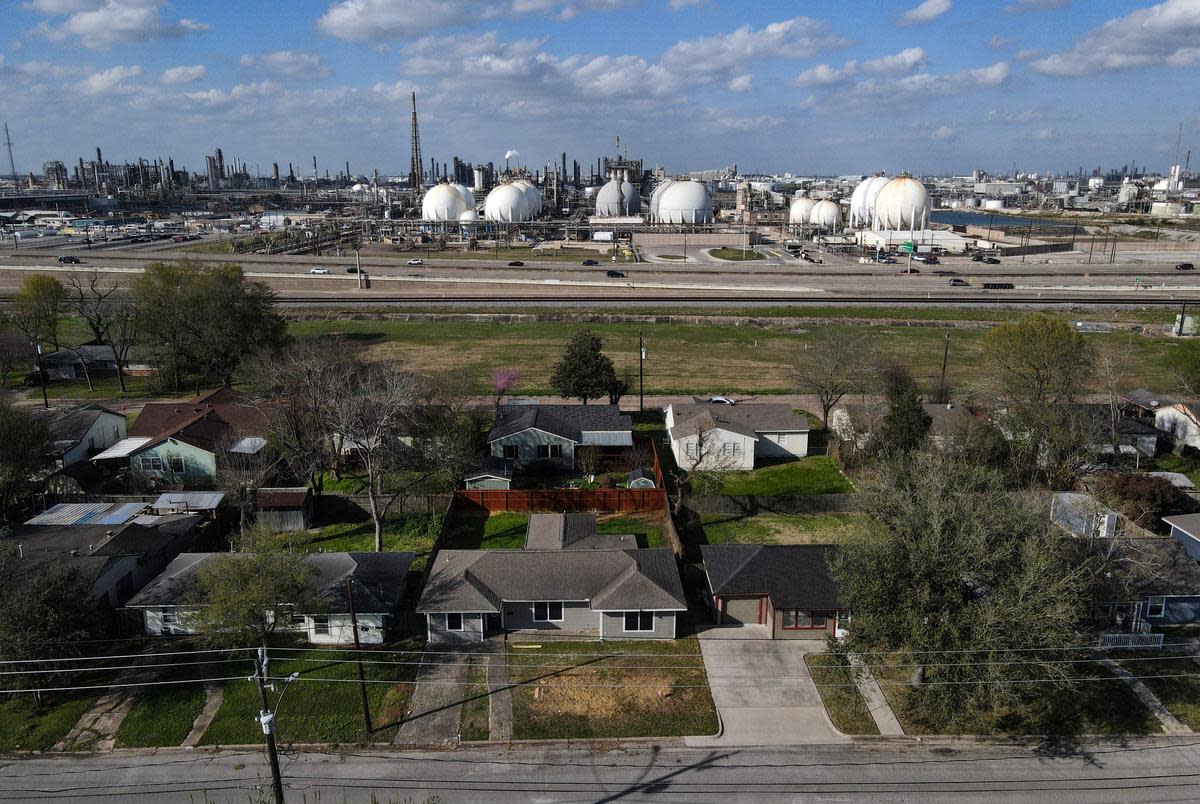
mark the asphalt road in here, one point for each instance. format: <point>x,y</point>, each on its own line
<point>1150,770</point>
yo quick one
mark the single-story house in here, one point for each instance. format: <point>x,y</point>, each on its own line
<point>178,443</point>
<point>1142,403</point>
<point>1132,434</point>
<point>285,509</point>
<point>205,503</point>
<point>1164,581</point>
<point>116,554</point>
<point>735,436</point>
<point>1181,422</point>
<point>377,579</point>
<point>1185,529</point>
<point>493,473</point>
<point>572,532</point>
<point>596,593</point>
<point>79,433</point>
<point>525,434</point>
<point>787,588</point>
<point>859,423</point>
<point>68,364</point>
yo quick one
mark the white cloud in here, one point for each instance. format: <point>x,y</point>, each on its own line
<point>103,23</point>
<point>1161,35</point>
<point>905,61</point>
<point>927,11</point>
<point>926,85</point>
<point>287,64</point>
<point>357,20</point>
<point>110,80</point>
<point>183,74</point>
<point>396,92</point>
<point>679,5</point>
<point>720,120</point>
<point>797,38</point>
<point>742,83</point>
<point>942,134</point>
<point>824,75</point>
<point>998,42</point>
<point>1026,6</point>
<point>1025,116</point>
<point>1043,134</point>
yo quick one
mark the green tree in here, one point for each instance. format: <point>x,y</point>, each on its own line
<point>48,618</point>
<point>25,444</point>
<point>954,573</point>
<point>906,424</point>
<point>584,372</point>
<point>161,293</point>
<point>231,318</point>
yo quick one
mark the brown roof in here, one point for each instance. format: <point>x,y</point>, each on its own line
<point>292,497</point>
<point>748,419</point>
<point>208,421</point>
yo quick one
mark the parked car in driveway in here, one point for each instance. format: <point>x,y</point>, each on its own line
<point>69,260</point>
<point>415,262</point>
<point>615,275</point>
<point>317,269</point>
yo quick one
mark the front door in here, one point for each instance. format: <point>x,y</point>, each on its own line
<point>743,610</point>
<point>491,624</point>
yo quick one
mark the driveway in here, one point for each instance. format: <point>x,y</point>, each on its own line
<point>763,690</point>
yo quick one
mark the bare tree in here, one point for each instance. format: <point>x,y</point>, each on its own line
<point>1112,363</point>
<point>241,474</point>
<point>301,385</point>
<point>834,366</point>
<point>706,464</point>
<point>589,459</point>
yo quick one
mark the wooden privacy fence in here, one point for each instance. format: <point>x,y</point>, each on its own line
<point>566,500</point>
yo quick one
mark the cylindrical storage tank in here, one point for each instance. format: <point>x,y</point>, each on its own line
<point>903,203</point>
<point>445,202</point>
<point>826,216</point>
<point>685,202</point>
<point>971,203</point>
<point>478,179</point>
<point>993,204</point>
<point>1127,194</point>
<point>801,210</point>
<point>506,204</point>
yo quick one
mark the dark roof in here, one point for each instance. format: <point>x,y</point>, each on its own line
<point>93,353</point>
<point>571,532</point>
<point>1159,566</point>
<point>493,466</point>
<point>567,421</point>
<point>611,580</point>
<point>68,426</point>
<point>745,418</point>
<point>293,497</point>
<point>208,422</point>
<point>378,580</point>
<point>943,419</point>
<point>1145,398</point>
<point>1101,414</point>
<point>793,576</point>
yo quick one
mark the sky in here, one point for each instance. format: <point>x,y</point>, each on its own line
<point>821,86</point>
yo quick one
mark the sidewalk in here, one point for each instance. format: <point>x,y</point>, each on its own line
<point>1170,723</point>
<point>881,712</point>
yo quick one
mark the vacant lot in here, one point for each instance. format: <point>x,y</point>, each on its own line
<point>816,474</point>
<point>735,254</point>
<point>778,528</point>
<point>610,689</point>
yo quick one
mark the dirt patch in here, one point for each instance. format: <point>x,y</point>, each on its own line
<point>393,707</point>
<point>570,697</point>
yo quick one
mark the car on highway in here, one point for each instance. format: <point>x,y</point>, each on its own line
<point>615,275</point>
<point>944,273</point>
<point>352,270</point>
<point>910,270</point>
<point>416,262</point>
<point>927,259</point>
<point>885,260</point>
<point>959,283</point>
<point>1183,266</point>
<point>590,262</point>
<point>515,264</point>
<point>317,269</point>
<point>67,259</point>
<point>720,400</point>
<point>976,257</point>
<point>990,261</point>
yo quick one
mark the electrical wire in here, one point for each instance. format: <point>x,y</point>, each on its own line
<point>121,667</point>
<point>143,655</point>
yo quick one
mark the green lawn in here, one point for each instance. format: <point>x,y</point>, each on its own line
<point>403,532</point>
<point>816,474</point>
<point>164,715</point>
<point>648,526</point>
<point>736,254</point>
<point>473,529</point>
<point>324,712</point>
<point>105,388</point>
<point>1170,462</point>
<point>1180,695</point>
<point>669,697</point>
<point>843,703</point>
<point>830,528</point>
<point>24,726</point>
<point>475,723</point>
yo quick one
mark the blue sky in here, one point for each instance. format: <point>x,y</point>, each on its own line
<point>814,87</point>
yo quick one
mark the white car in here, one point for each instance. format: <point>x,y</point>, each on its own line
<point>721,400</point>
<point>415,262</point>
<point>317,269</point>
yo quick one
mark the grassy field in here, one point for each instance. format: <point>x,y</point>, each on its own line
<point>164,715</point>
<point>670,699</point>
<point>778,528</point>
<point>405,532</point>
<point>312,711</point>
<point>1180,695</point>
<point>736,254</point>
<point>104,388</point>
<point>475,722</point>
<point>816,474</point>
<point>843,703</point>
<point>24,726</point>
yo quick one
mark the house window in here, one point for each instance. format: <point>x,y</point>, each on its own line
<point>297,621</point>
<point>168,617</point>
<point>1156,606</point>
<point>549,450</point>
<point>151,464</point>
<point>783,438</point>
<point>510,452</point>
<point>177,464</point>
<point>639,621</point>
<point>692,449</point>
<point>116,433</point>
<point>547,612</point>
<point>320,625</point>
<point>804,619</point>
<point>454,622</point>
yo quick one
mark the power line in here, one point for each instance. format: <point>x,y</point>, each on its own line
<point>102,657</point>
<point>119,667</point>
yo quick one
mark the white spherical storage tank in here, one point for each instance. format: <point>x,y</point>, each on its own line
<point>862,200</point>
<point>685,202</point>
<point>470,216</point>
<point>655,194</point>
<point>801,210</point>
<point>445,202</point>
<point>533,196</point>
<point>903,203</point>
<point>826,216</point>
<point>617,199</point>
<point>506,204</point>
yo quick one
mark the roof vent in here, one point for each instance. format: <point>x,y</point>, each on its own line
<point>74,552</point>
<point>949,406</point>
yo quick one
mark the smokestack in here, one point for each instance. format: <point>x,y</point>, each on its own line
<point>347,170</point>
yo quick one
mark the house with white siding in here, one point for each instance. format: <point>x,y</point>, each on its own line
<point>1181,423</point>
<point>526,434</point>
<point>378,581</point>
<point>720,436</point>
<point>79,433</point>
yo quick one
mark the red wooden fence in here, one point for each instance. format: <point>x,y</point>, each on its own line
<point>567,499</point>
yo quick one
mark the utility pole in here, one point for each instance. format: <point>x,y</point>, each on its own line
<point>641,373</point>
<point>42,376</point>
<point>945,359</point>
<point>362,680</point>
<point>267,719</point>
<point>1182,318</point>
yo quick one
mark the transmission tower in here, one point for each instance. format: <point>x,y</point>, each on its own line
<point>12,167</point>
<point>415,165</point>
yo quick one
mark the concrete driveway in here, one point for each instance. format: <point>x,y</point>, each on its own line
<point>763,690</point>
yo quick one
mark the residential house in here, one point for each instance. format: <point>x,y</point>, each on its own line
<point>598,592</point>
<point>493,473</point>
<point>377,581</point>
<point>68,364</point>
<point>789,589</point>
<point>285,509</point>
<point>1161,581</point>
<point>1181,423</point>
<point>1142,403</point>
<point>526,434</point>
<point>735,436</point>
<point>116,554</point>
<point>177,444</point>
<point>1133,435</point>
<point>79,433</point>
<point>860,423</point>
<point>1185,529</point>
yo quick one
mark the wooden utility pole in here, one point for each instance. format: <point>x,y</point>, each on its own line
<point>362,681</point>
<point>267,719</point>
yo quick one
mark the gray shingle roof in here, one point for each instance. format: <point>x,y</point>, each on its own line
<point>572,532</point>
<point>567,421</point>
<point>68,426</point>
<point>794,576</point>
<point>481,580</point>
<point>746,418</point>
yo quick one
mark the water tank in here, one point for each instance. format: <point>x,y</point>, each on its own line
<point>685,202</point>
<point>902,203</point>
